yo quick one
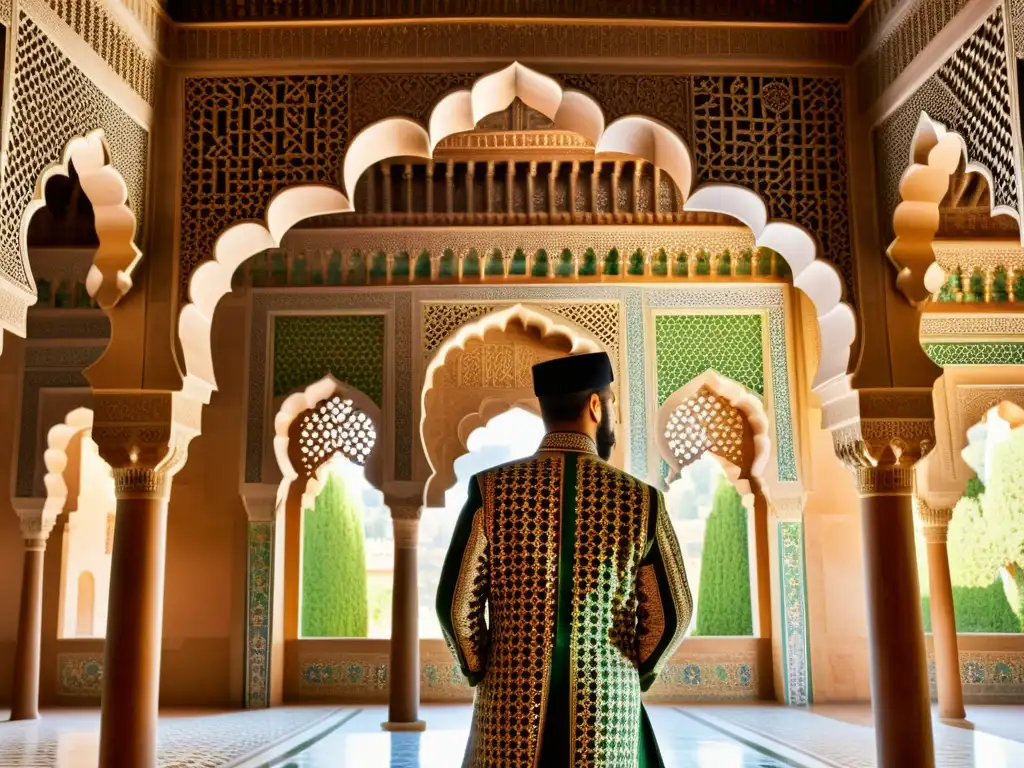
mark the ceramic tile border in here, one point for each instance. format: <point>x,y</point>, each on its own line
<point>80,674</point>
<point>259,613</point>
<point>796,672</point>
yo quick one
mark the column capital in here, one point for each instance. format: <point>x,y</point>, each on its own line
<point>144,437</point>
<point>261,502</point>
<point>934,520</point>
<point>880,434</point>
<point>37,519</point>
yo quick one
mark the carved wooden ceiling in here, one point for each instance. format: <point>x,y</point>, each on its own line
<point>764,11</point>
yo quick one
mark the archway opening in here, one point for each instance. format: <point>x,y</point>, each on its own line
<point>88,540</point>
<point>715,531</point>
<point>346,551</point>
<point>513,434</point>
<point>985,543</point>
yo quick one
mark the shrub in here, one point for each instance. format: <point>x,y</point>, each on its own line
<point>334,601</point>
<point>723,598</point>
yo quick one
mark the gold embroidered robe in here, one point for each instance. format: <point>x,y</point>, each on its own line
<point>562,596</point>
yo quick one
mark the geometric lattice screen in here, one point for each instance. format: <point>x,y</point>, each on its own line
<point>336,427</point>
<point>705,422</point>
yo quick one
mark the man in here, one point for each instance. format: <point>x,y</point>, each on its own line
<point>563,592</point>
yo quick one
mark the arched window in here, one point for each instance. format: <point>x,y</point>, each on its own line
<point>511,435</point>
<point>87,555</point>
<point>710,442</point>
<point>715,533</point>
<point>347,549</point>
<point>86,605</point>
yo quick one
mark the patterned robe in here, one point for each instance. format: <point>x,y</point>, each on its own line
<point>562,596</point>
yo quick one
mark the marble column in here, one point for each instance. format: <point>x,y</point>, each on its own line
<point>881,435</point>
<point>131,659</point>
<point>935,524</point>
<point>37,522</point>
<point>404,667</point>
<point>144,437</point>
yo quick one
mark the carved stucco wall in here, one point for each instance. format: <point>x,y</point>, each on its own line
<point>52,102</point>
<point>969,94</point>
<point>246,138</point>
<point>615,315</point>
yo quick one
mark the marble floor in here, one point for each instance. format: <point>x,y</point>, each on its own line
<point>347,737</point>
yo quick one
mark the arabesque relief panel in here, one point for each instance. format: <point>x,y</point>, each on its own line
<point>247,138</point>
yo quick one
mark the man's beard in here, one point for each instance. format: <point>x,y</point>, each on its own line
<point>606,433</point>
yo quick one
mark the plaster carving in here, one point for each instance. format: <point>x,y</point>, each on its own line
<point>289,451</point>
<point>115,259</point>
<point>52,100</point>
<point>817,278</point>
<point>459,111</point>
<point>38,519</point>
<point>712,414</point>
<point>935,155</point>
<point>482,371</point>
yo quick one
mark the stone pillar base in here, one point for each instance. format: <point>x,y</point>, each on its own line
<point>415,727</point>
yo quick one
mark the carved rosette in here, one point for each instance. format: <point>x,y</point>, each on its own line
<point>880,434</point>
<point>144,437</point>
<point>934,521</point>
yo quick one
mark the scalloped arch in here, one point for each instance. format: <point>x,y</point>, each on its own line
<point>935,155</point>
<point>55,457</point>
<point>815,277</point>
<point>295,405</point>
<point>459,111</point>
<point>441,454</point>
<point>740,398</point>
<point>116,257</point>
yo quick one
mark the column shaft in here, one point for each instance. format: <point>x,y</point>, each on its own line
<point>25,696</point>
<point>899,674</point>
<point>404,671</point>
<point>131,662</point>
<point>944,641</point>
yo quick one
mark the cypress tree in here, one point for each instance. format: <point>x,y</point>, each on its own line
<point>723,598</point>
<point>334,602</point>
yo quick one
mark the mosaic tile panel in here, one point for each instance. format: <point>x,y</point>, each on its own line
<point>979,353</point>
<point>80,674</point>
<point>796,655</point>
<point>688,345</point>
<point>706,679</point>
<point>365,679</point>
<point>350,347</point>
<point>988,675</point>
<point>259,614</point>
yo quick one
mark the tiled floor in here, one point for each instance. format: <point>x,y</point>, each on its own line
<point>684,742</point>
<point>693,737</point>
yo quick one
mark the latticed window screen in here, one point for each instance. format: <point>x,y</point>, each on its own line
<point>336,427</point>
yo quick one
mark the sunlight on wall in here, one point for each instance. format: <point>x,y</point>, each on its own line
<point>690,500</point>
<point>367,503</point>
<point>88,543</point>
<point>512,435</point>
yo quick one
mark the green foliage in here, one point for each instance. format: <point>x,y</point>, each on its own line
<point>978,609</point>
<point>723,599</point>
<point>974,560</point>
<point>334,599</point>
<point>974,488</point>
<point>1003,500</point>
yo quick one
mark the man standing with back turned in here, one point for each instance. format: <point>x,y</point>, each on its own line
<point>563,592</point>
